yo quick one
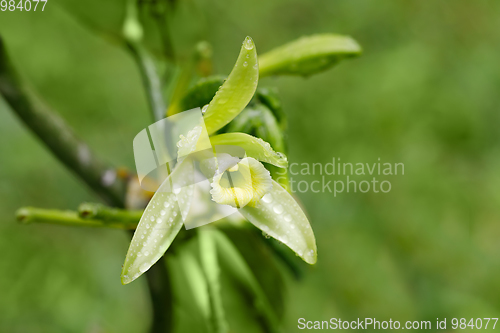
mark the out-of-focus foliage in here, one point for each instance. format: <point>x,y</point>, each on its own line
<point>308,55</point>
<point>424,93</point>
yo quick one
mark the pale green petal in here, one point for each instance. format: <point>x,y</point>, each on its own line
<point>280,216</point>
<point>160,223</point>
<point>308,55</point>
<point>236,91</point>
<point>254,147</point>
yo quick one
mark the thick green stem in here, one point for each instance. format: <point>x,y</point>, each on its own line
<point>158,278</point>
<point>160,291</point>
<point>69,218</point>
<point>59,137</point>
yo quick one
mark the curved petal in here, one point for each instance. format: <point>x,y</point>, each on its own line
<point>280,216</point>
<point>236,91</point>
<point>254,147</point>
<point>161,222</point>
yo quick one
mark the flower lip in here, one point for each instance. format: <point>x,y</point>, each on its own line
<point>242,184</point>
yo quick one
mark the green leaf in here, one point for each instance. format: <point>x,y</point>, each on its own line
<point>236,91</point>
<point>280,216</point>
<point>210,265</point>
<point>160,223</point>
<point>241,271</point>
<point>196,281</point>
<point>254,147</point>
<point>264,261</point>
<point>202,92</point>
<point>308,55</point>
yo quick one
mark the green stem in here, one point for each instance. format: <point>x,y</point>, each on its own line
<point>150,80</point>
<point>70,218</point>
<point>160,291</point>
<point>58,136</point>
<point>108,214</point>
<point>157,276</point>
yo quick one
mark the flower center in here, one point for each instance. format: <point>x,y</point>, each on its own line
<point>243,184</point>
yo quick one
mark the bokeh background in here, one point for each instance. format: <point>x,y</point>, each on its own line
<point>425,93</point>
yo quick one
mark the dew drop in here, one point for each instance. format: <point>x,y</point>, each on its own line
<point>152,218</point>
<point>158,220</point>
<point>204,108</point>
<point>245,64</point>
<point>268,198</point>
<point>278,209</point>
<point>162,212</point>
<point>144,267</point>
<point>248,44</point>
<point>288,218</point>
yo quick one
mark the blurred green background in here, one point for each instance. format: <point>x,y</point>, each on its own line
<point>425,93</point>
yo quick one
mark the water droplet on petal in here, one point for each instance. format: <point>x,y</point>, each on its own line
<point>278,209</point>
<point>288,218</point>
<point>248,43</point>
<point>268,198</point>
<point>144,267</point>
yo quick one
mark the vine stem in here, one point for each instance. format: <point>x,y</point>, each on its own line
<point>70,218</point>
<point>98,211</point>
